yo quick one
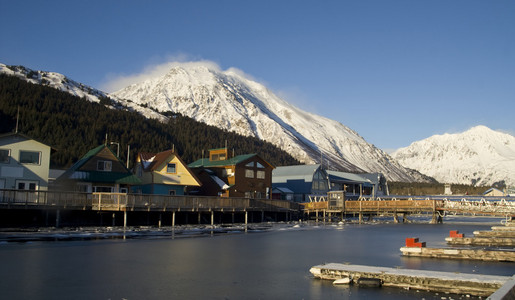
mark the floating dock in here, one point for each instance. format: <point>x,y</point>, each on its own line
<point>436,281</point>
<point>456,238</point>
<point>418,249</point>
<point>459,253</point>
<point>488,242</point>
<point>496,234</point>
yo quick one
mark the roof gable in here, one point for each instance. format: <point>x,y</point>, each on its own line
<point>298,172</point>
<point>205,162</point>
<point>82,170</point>
<point>154,162</point>
<point>347,177</point>
<point>17,135</point>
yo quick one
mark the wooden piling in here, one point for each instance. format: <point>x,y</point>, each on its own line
<point>57,218</point>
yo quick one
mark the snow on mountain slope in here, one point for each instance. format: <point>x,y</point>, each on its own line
<point>229,100</point>
<point>479,156</point>
<point>62,83</point>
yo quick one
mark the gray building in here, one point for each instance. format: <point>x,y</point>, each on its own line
<point>306,182</point>
<point>24,163</point>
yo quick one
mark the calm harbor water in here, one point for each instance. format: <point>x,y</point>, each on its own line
<point>272,264</point>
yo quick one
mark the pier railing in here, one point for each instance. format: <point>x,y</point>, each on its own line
<point>120,201</point>
<point>140,202</point>
<point>391,205</point>
<point>499,206</point>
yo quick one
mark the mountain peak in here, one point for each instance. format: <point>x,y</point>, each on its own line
<point>478,156</point>
<point>233,101</point>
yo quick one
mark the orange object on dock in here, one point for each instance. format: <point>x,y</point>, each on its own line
<point>413,242</point>
<point>455,234</point>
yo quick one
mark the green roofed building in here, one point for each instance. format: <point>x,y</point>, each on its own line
<point>245,175</point>
<point>99,170</point>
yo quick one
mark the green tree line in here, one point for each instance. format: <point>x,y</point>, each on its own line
<point>73,125</point>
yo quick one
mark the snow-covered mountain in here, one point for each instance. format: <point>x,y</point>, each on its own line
<point>62,83</point>
<point>231,101</point>
<point>478,156</point>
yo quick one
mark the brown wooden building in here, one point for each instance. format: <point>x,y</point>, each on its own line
<point>245,175</point>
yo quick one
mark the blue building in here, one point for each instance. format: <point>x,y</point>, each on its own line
<point>306,182</point>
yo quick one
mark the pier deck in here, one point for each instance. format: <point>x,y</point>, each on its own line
<point>437,281</point>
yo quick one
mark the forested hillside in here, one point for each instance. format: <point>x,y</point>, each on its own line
<point>72,126</point>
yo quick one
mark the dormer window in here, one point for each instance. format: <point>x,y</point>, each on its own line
<point>218,154</point>
<point>104,165</point>
<point>171,168</point>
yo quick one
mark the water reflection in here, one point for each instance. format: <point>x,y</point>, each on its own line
<point>271,262</point>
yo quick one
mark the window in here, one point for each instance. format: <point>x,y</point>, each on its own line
<point>217,157</point>
<point>315,185</point>
<point>249,173</point>
<point>171,168</point>
<point>27,185</point>
<point>171,192</point>
<point>104,165</point>
<point>82,188</point>
<point>30,157</point>
<point>322,185</point>
<point>260,166</point>
<point>260,174</point>
<point>5,154</point>
<point>250,164</point>
<point>102,189</point>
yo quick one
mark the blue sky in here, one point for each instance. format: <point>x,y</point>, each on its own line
<point>393,71</point>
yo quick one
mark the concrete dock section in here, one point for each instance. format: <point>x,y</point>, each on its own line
<point>457,283</point>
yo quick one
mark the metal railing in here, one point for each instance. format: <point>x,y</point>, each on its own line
<point>470,205</point>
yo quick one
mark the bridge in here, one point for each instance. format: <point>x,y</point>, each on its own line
<point>438,206</point>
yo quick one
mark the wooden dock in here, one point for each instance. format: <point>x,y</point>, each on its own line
<point>495,234</point>
<point>488,242</point>
<point>460,253</point>
<point>436,281</point>
<point>501,239</point>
